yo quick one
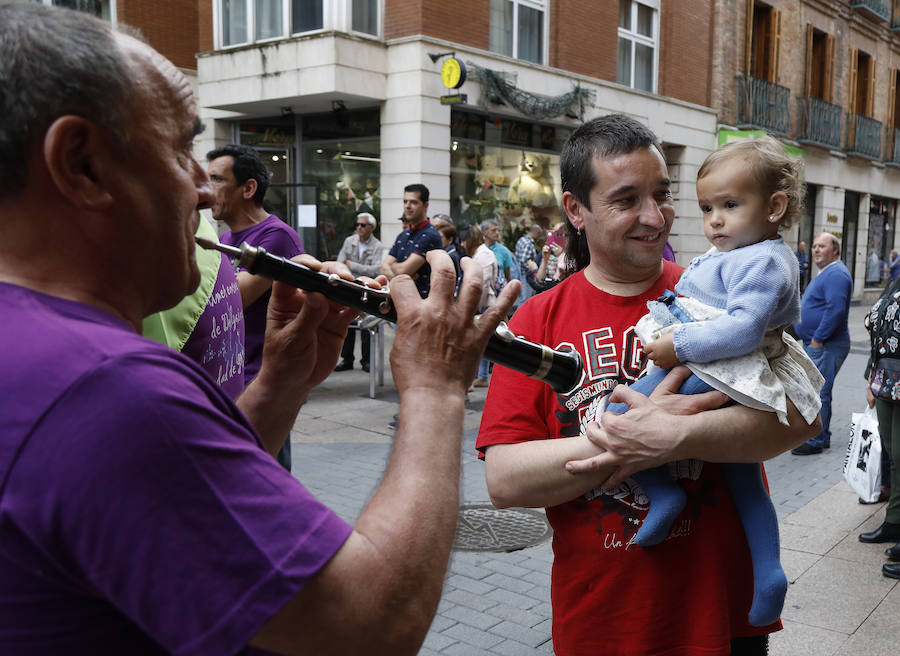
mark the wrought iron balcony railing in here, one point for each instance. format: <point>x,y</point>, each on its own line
<point>863,136</point>
<point>819,122</point>
<point>876,8</point>
<point>763,105</point>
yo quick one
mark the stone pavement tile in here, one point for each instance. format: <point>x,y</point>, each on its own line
<point>517,600</point>
<point>866,555</point>
<point>463,563</point>
<point>471,636</point>
<point>795,563</point>
<point>472,618</point>
<point>469,600</point>
<point>833,576</point>
<point>837,508</point>
<point>866,645</point>
<point>342,433</point>
<point>436,642</point>
<point>515,648</point>
<point>508,583</point>
<point>878,635</point>
<point>811,539</point>
<point>460,649</point>
<point>505,567</point>
<point>440,623</point>
<point>519,633</point>
<point>424,651</point>
<point>474,586</point>
<point>541,579</point>
<point>802,640</point>
<point>517,615</point>
<point>893,597</point>
<point>832,596</point>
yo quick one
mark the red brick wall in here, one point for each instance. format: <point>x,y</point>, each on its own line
<point>171,26</point>
<point>583,37</point>
<point>402,18</point>
<point>684,56</point>
<point>204,26</point>
<point>460,21</point>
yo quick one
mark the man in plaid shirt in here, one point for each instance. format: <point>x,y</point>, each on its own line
<point>526,251</point>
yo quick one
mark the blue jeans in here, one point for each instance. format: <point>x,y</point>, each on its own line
<point>828,360</point>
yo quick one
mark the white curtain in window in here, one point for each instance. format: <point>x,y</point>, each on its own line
<point>530,34</point>
<point>234,22</point>
<point>365,16</point>
<point>501,27</point>
<point>269,19</point>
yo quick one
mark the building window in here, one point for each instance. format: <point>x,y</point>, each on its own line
<point>307,15</point>
<point>862,83</point>
<point>764,42</point>
<point>638,30</point>
<point>365,16</point>
<point>819,64</point>
<point>505,169</point>
<point>105,9</point>
<point>269,19</point>
<point>240,22</point>
<point>517,29</point>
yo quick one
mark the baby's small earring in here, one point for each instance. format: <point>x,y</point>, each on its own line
<point>772,218</point>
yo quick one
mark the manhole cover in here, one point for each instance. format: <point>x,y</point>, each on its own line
<point>482,527</point>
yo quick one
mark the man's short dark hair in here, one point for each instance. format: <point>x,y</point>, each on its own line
<point>418,188</point>
<point>604,136</point>
<point>601,137</point>
<point>247,165</point>
<point>56,62</point>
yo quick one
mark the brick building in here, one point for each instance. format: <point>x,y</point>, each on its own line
<point>345,99</point>
<point>822,76</point>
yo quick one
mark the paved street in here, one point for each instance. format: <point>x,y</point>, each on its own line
<point>499,604</point>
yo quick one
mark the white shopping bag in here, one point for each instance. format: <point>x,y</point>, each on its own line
<point>862,465</point>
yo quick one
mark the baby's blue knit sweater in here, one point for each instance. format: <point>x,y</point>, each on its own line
<point>757,285</point>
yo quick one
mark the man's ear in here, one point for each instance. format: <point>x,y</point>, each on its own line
<point>574,209</point>
<point>778,203</point>
<point>78,159</point>
<point>248,189</point>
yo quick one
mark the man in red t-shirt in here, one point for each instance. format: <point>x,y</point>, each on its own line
<point>691,594</point>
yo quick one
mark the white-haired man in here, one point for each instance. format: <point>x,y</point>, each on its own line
<point>363,255</point>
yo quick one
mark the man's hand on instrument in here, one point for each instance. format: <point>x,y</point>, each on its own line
<point>304,330</point>
<point>439,342</point>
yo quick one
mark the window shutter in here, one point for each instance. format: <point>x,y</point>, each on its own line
<point>748,45</point>
<point>892,101</point>
<point>854,60</point>
<point>828,82</point>
<point>809,61</point>
<point>775,54</point>
<point>870,89</point>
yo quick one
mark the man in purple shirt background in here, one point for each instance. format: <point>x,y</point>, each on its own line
<point>140,509</point>
<point>239,182</point>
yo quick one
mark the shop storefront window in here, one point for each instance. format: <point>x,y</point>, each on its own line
<point>880,241</point>
<point>506,170</point>
<point>346,175</point>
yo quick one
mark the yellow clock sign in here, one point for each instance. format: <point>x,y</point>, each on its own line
<point>453,73</point>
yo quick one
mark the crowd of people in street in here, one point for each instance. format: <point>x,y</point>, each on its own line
<point>146,503</point>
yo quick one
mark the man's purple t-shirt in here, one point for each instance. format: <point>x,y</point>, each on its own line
<point>278,238</point>
<point>217,341</point>
<point>139,513</point>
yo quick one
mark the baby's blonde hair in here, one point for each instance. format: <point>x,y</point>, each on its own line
<point>771,168</point>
